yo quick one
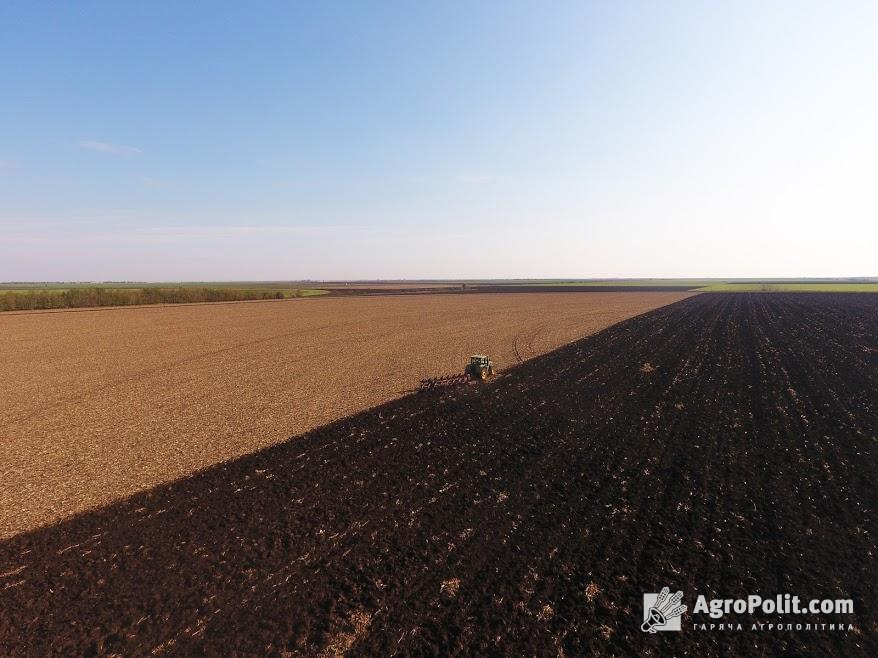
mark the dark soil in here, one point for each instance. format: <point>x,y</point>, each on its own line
<point>496,288</point>
<point>522,517</point>
<point>580,288</point>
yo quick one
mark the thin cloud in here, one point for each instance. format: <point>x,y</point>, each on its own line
<point>108,148</point>
<point>174,233</point>
<point>183,237</point>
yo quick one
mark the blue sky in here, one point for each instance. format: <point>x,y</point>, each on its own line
<point>169,141</point>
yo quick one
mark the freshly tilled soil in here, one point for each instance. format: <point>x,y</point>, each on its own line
<point>96,405</point>
<point>724,445</point>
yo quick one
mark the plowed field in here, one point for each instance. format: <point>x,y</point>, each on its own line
<point>98,404</point>
<point>724,445</point>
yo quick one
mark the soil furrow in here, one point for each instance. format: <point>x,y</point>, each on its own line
<point>721,446</point>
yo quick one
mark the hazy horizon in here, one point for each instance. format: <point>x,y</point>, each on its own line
<point>155,142</point>
<point>681,280</point>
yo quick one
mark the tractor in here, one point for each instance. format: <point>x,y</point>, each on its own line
<point>480,367</point>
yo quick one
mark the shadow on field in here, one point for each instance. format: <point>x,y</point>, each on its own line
<point>524,516</point>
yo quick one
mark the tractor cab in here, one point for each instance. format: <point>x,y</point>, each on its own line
<point>480,367</point>
<point>479,360</point>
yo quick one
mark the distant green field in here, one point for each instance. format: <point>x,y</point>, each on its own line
<point>790,287</point>
<point>632,283</point>
<point>60,286</point>
<point>718,285</point>
<point>57,296</point>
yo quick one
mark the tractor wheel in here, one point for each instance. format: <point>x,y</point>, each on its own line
<point>483,374</point>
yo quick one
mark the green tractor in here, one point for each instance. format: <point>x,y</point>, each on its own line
<point>480,367</point>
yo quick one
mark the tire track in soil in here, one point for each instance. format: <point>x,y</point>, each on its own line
<point>577,469</point>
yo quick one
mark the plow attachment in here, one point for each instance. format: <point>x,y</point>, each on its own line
<point>438,382</point>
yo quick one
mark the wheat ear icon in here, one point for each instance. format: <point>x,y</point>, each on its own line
<point>664,609</point>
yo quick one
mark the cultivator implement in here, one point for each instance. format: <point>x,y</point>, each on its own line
<point>439,382</point>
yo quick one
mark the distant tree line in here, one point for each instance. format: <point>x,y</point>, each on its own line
<point>84,297</point>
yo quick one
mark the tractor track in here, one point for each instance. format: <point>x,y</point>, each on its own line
<point>526,516</point>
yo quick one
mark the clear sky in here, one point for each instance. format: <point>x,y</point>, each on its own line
<point>211,141</point>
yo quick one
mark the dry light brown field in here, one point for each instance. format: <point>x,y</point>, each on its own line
<point>100,404</point>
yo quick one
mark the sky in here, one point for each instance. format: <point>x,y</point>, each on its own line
<point>165,141</point>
